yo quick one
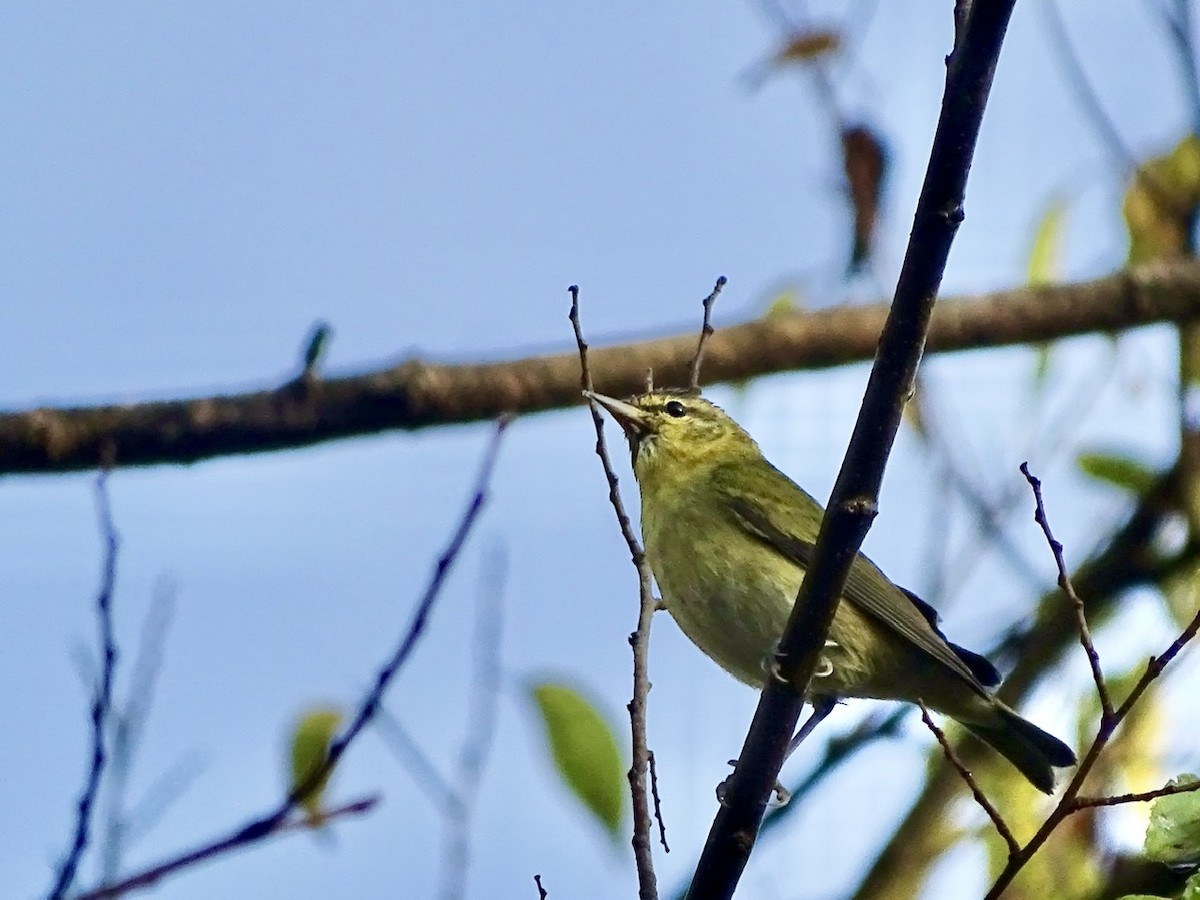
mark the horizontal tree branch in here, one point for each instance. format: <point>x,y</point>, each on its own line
<point>417,394</point>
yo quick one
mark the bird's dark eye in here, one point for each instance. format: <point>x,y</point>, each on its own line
<point>676,409</point>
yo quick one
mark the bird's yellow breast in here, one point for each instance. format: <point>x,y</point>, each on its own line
<point>732,593</point>
<point>729,597</point>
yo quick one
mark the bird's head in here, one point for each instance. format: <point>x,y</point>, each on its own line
<point>675,433</point>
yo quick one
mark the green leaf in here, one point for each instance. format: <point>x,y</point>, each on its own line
<point>1120,471</point>
<point>1173,836</point>
<point>311,738</point>
<point>585,751</point>
<point>1045,256</point>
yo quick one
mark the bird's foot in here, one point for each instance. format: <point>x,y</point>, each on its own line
<point>782,795</point>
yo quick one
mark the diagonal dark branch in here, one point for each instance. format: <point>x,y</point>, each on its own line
<point>276,820</point>
<point>370,704</point>
<point>1125,560</point>
<point>420,394</point>
<point>102,701</point>
<point>852,505</point>
<point>234,841</point>
<point>838,750</point>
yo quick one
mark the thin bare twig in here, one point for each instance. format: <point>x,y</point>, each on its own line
<point>1179,24</point>
<point>989,513</point>
<point>276,820</point>
<point>980,797</point>
<point>706,331</point>
<point>1144,797</point>
<point>542,895</point>
<point>838,750</point>
<point>234,841</point>
<point>481,725</point>
<point>370,704</point>
<point>102,700</point>
<point>1071,801</point>
<point>1064,582</point>
<point>662,827</point>
<point>1078,80</point>
<point>639,640</point>
<point>1127,559</point>
<point>422,769</point>
<point>128,722</point>
<point>353,808</point>
<point>157,800</point>
<point>1109,135</point>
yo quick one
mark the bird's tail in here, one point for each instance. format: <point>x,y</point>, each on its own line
<point>1034,752</point>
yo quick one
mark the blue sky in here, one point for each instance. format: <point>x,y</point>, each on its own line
<point>184,190</point>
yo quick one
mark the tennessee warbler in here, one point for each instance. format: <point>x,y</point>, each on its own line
<point>728,537</point>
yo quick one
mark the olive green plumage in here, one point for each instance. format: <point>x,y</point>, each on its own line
<point>728,537</point>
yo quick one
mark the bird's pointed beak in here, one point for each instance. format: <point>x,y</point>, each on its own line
<point>633,420</point>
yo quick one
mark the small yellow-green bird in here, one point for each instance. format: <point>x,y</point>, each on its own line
<point>728,538</point>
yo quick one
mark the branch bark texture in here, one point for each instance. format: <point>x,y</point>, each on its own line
<point>418,394</point>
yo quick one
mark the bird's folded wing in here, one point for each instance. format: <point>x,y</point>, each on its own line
<point>779,526</point>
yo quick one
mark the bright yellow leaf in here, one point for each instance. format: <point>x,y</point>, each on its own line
<point>311,737</point>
